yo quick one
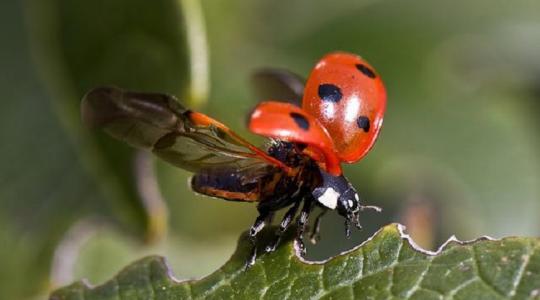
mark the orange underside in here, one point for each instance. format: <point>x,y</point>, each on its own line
<point>235,196</point>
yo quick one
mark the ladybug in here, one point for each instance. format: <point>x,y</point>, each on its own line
<point>334,118</point>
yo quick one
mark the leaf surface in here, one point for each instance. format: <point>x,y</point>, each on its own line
<point>386,266</point>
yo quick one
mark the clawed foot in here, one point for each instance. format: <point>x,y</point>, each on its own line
<point>272,247</point>
<point>314,237</point>
<point>251,259</point>
<point>301,246</point>
<point>353,219</point>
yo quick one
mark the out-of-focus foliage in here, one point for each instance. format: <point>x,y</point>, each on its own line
<point>79,45</point>
<point>386,267</point>
<point>459,152</point>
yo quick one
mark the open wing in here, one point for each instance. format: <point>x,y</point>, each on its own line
<point>278,84</point>
<point>159,123</point>
<point>288,122</point>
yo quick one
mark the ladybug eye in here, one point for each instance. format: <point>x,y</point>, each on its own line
<point>366,70</point>
<point>363,123</point>
<point>330,93</point>
<point>300,120</point>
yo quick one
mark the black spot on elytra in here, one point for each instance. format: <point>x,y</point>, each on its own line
<point>366,70</point>
<point>329,92</point>
<point>300,120</point>
<point>363,123</point>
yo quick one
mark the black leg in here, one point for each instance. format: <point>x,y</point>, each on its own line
<point>348,228</point>
<point>289,215</point>
<point>356,221</point>
<point>302,222</point>
<point>259,224</point>
<point>315,233</point>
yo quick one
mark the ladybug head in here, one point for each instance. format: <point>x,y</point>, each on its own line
<point>336,192</point>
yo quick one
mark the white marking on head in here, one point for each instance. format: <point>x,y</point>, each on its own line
<point>350,202</point>
<point>329,198</point>
<point>356,197</point>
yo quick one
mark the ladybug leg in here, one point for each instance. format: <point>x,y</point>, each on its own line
<point>355,218</point>
<point>285,222</point>
<point>315,235</point>
<point>259,224</point>
<point>309,203</point>
<point>348,228</point>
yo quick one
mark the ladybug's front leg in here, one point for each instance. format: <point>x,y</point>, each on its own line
<point>260,222</point>
<point>315,235</point>
<point>285,222</point>
<point>309,203</point>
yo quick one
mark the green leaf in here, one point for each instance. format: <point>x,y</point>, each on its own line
<point>388,265</point>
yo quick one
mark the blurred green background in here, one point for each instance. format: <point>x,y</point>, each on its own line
<point>459,152</point>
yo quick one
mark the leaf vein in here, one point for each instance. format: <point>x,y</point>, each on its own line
<point>480,275</point>
<point>392,279</point>
<point>150,281</point>
<point>266,283</point>
<point>420,279</point>
<point>463,285</point>
<point>525,259</point>
<point>118,289</point>
<point>288,274</point>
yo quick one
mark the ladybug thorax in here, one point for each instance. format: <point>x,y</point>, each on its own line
<point>348,99</point>
<point>336,192</point>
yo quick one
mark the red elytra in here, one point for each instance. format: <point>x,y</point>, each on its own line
<point>291,123</point>
<point>343,106</point>
<point>346,95</point>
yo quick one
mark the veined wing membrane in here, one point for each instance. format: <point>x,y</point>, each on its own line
<point>139,119</point>
<point>202,150</point>
<point>159,123</point>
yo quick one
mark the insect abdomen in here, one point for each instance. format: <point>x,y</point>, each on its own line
<point>227,185</point>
